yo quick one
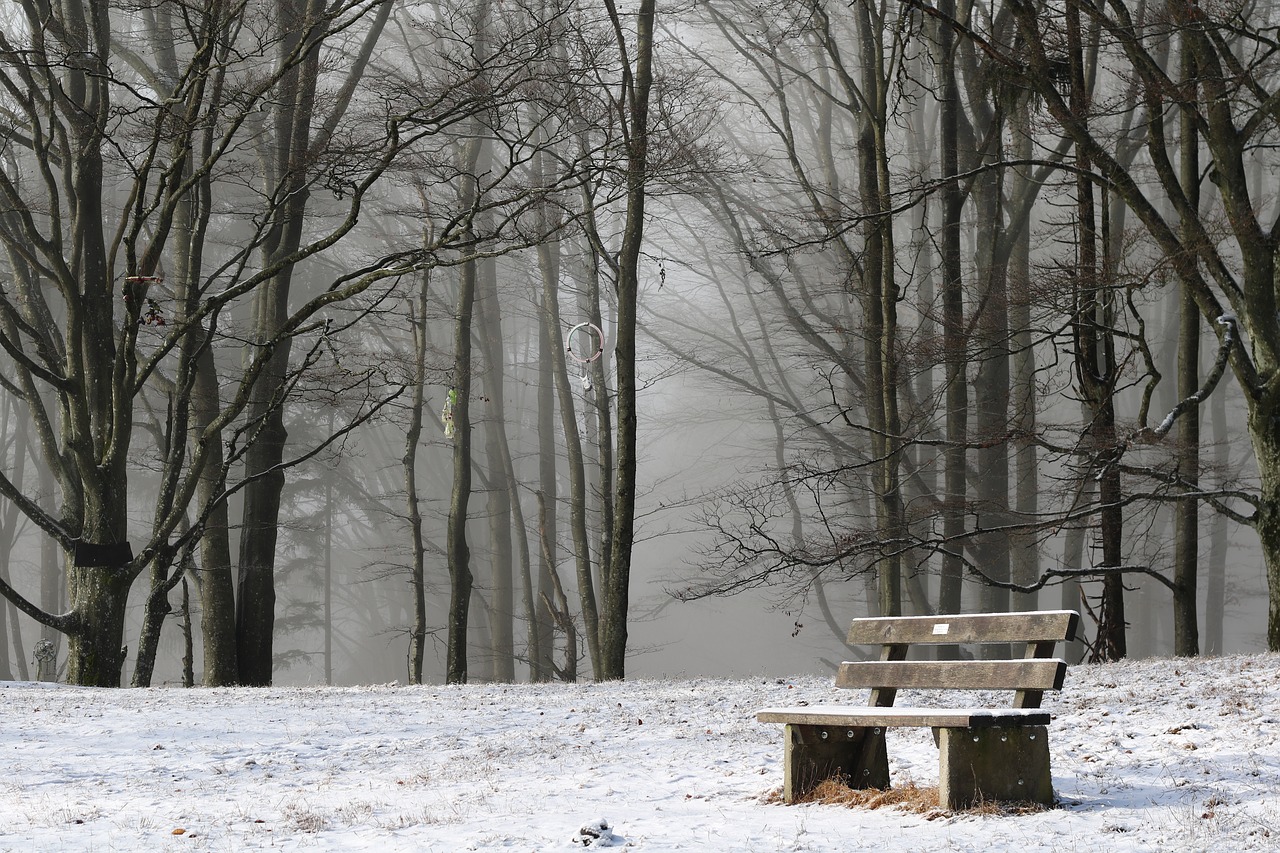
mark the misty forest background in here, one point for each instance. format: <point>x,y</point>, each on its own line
<point>348,341</point>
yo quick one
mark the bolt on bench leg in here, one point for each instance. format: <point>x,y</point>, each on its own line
<point>855,756</point>
<point>997,764</point>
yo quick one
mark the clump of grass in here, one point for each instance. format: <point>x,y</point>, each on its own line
<point>908,797</point>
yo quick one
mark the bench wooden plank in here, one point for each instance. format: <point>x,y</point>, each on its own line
<point>1037,626</point>
<point>955,675</point>
<point>855,716</point>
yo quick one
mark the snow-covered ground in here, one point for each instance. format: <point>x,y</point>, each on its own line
<point>1154,755</point>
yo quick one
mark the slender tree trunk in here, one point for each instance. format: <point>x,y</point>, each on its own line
<point>500,496</point>
<point>216,588</point>
<point>1186,630</point>
<point>53,586</point>
<point>991,406</point>
<point>1095,362</point>
<point>880,294</point>
<point>1026,553</point>
<point>616,569</point>
<point>16,423</point>
<point>6,672</point>
<point>1216,591</point>
<point>458,553</point>
<point>577,497</point>
<point>188,640</point>
<point>955,477</point>
<point>409,463</point>
<point>156,610</point>
<point>541,635</point>
<point>327,615</point>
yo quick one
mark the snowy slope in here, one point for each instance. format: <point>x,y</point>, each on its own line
<point>1154,755</point>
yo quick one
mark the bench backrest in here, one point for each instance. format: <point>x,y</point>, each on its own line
<point>1038,632</point>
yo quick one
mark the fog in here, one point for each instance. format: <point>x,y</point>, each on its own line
<point>480,342</point>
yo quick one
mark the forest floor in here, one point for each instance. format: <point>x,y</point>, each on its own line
<point>1148,755</point>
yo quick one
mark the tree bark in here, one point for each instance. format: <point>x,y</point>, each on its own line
<point>1026,553</point>
<point>616,569</point>
<point>1186,630</point>
<point>501,496</point>
<point>409,463</point>
<point>955,476</point>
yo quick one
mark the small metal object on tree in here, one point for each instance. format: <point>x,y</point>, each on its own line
<point>46,655</point>
<point>98,554</point>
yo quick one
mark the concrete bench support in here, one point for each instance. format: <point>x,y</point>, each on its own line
<point>814,754</point>
<point>998,764</point>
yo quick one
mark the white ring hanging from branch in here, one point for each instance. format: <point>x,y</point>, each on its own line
<point>591,329</point>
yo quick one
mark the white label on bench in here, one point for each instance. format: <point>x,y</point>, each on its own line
<point>941,628</point>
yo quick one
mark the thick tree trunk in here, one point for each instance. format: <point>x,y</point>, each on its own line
<point>95,649</point>
<point>1264,431</point>
<point>288,180</point>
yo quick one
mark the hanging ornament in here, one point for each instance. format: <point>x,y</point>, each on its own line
<point>594,349</point>
<point>446,414</point>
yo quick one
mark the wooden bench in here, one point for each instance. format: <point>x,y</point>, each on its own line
<point>991,754</point>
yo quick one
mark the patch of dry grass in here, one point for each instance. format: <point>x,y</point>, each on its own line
<point>908,797</point>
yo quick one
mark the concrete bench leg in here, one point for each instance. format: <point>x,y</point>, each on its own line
<point>855,756</point>
<point>998,764</point>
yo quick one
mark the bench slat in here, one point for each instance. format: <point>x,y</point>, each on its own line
<point>955,675</point>
<point>853,716</point>
<point>1042,625</point>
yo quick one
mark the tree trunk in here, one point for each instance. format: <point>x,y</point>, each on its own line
<point>616,568</point>
<point>955,477</point>
<point>1264,431</point>
<point>991,407</point>
<point>1026,553</point>
<point>457,550</point>
<point>577,497</point>
<point>1095,361</point>
<point>154,613</point>
<point>95,649</point>
<point>1216,592</point>
<point>500,494</point>
<point>458,554</point>
<point>880,298</point>
<point>288,180</point>
<point>1186,630</point>
<point>409,462</point>
<point>215,587</point>
<point>541,633</point>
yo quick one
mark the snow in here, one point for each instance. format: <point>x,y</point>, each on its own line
<point>1151,755</point>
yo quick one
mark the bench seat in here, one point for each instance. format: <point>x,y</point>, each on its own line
<point>851,716</point>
